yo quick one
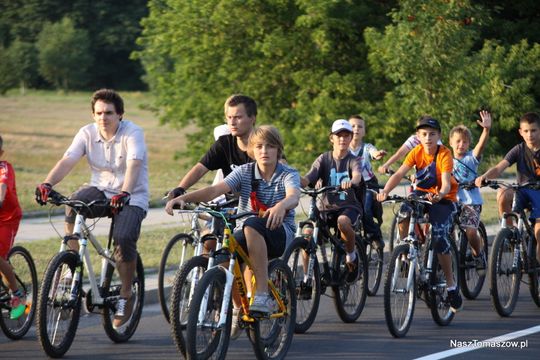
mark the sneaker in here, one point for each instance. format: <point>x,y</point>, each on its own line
<point>480,264</point>
<point>304,292</point>
<point>124,310</point>
<point>18,306</point>
<point>352,267</point>
<point>456,303</point>
<point>262,304</point>
<point>236,330</point>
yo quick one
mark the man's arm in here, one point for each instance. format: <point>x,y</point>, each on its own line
<point>194,175</point>
<point>402,151</point>
<point>133,169</point>
<point>60,170</point>
<point>205,194</point>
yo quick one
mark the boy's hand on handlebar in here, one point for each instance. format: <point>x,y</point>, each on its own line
<point>480,181</point>
<point>345,185</point>
<point>174,204</point>
<point>382,196</point>
<point>434,198</point>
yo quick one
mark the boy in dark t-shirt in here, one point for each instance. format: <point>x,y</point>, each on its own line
<point>340,167</point>
<point>526,156</point>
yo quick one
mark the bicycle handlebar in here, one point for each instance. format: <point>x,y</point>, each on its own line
<point>58,199</point>
<point>496,184</point>
<point>409,198</point>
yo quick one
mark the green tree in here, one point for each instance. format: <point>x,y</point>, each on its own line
<point>25,63</point>
<point>7,71</point>
<point>64,55</point>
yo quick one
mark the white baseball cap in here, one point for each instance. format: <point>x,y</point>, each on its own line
<point>341,125</point>
<point>221,130</point>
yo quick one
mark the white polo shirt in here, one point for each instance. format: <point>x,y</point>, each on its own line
<point>108,159</point>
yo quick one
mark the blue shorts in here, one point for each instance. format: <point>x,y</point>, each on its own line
<point>528,198</point>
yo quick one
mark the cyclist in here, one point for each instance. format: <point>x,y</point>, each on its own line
<point>10,217</point>
<point>366,152</point>
<point>465,171</point>
<point>117,155</point>
<point>434,164</point>
<point>527,157</point>
<point>266,185</point>
<point>340,167</point>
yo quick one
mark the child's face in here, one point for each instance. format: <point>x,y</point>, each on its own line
<point>459,143</point>
<point>530,133</point>
<point>359,128</point>
<point>428,138</point>
<point>341,140</point>
<point>265,154</point>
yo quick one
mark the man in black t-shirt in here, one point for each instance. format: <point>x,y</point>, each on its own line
<point>228,151</point>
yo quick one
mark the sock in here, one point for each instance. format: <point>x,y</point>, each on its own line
<point>351,256</point>
<point>452,288</point>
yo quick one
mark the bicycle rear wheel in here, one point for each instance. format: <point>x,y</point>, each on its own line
<point>504,275</point>
<point>471,282</point>
<point>272,336</point>
<point>184,285</point>
<point>350,296</point>
<point>534,273</point>
<point>171,261</point>
<point>58,315</point>
<point>375,268</point>
<point>399,296</point>
<point>307,302</point>
<point>25,273</point>
<point>111,292</point>
<point>205,340</point>
<point>437,293</point>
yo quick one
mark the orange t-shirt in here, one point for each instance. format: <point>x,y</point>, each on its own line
<point>445,163</point>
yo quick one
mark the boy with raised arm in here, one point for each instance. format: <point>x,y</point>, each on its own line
<point>434,164</point>
<point>10,217</point>
<point>366,152</point>
<point>526,156</point>
<point>465,171</point>
<point>340,167</point>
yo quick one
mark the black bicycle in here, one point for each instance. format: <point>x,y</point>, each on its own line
<point>513,254</point>
<point>349,288</point>
<point>25,274</point>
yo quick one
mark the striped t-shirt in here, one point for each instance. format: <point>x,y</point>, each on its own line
<point>269,193</point>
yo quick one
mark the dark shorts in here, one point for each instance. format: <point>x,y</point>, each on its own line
<point>127,223</point>
<point>528,198</point>
<point>275,239</point>
<point>352,213</point>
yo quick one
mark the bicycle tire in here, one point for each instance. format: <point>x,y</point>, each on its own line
<point>25,274</point>
<point>111,292</point>
<point>306,307</point>
<point>534,274</point>
<point>471,282</point>
<point>350,297</point>
<point>504,278</point>
<point>56,315</point>
<point>394,233</point>
<point>185,281</point>
<point>170,262</point>
<point>205,342</point>
<point>272,337</point>
<point>375,260</point>
<point>399,301</point>
<point>437,293</point>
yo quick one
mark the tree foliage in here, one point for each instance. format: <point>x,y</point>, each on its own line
<point>64,55</point>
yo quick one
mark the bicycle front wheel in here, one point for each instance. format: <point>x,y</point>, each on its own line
<point>57,314</point>
<point>470,280</point>
<point>534,274</point>
<point>395,237</point>
<point>504,273</point>
<point>438,297</point>
<point>307,297</point>
<point>272,336</point>
<point>25,273</point>
<point>351,292</point>
<point>185,282</point>
<point>375,268</point>
<point>171,261</point>
<point>399,295</point>
<point>111,291</point>
<point>204,338</point>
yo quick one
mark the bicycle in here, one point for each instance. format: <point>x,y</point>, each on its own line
<point>177,250</point>
<point>188,275</point>
<point>399,216</point>
<point>414,271</point>
<point>470,279</point>
<point>374,255</point>
<point>210,316</point>
<point>60,298</point>
<point>513,253</point>
<point>25,274</point>
<point>301,255</point>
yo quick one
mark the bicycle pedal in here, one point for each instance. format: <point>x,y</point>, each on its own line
<point>258,315</point>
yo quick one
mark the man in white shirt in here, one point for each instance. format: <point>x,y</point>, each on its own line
<point>117,156</point>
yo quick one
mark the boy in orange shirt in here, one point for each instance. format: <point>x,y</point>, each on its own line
<point>10,217</point>
<point>434,164</point>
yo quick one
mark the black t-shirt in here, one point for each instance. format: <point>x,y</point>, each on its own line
<point>225,154</point>
<point>524,158</point>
